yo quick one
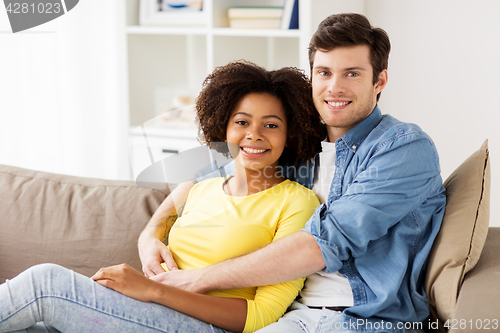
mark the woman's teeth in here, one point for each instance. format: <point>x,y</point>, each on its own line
<point>254,151</point>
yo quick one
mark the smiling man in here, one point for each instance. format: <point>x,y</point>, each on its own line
<point>365,248</point>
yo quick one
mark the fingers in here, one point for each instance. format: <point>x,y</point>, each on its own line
<point>167,258</point>
<point>153,269</point>
<point>101,273</point>
<point>110,273</point>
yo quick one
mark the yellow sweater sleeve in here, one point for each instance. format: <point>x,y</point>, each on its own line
<point>271,302</point>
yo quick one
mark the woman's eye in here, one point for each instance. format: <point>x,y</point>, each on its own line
<point>241,122</point>
<point>272,126</point>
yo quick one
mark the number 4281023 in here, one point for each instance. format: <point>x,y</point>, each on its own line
<point>477,324</point>
<point>25,8</point>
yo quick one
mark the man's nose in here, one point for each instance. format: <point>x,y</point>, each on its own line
<point>335,84</point>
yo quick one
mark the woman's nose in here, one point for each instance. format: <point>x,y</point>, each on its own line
<point>254,133</point>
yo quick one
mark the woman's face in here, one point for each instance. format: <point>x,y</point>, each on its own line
<point>258,127</point>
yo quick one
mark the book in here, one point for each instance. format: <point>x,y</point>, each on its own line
<point>242,23</point>
<point>254,12</point>
<point>290,17</point>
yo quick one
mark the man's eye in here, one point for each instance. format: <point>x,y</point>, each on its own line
<point>323,73</point>
<point>352,74</point>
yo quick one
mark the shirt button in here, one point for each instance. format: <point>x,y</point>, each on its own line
<point>354,147</point>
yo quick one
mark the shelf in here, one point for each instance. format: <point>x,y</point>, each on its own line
<point>256,32</point>
<point>161,30</point>
<point>180,132</point>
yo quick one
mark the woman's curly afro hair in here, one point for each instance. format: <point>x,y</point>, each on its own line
<point>227,85</point>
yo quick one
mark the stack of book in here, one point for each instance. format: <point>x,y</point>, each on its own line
<point>285,17</point>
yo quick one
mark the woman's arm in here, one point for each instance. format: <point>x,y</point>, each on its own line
<point>152,251</point>
<point>226,313</point>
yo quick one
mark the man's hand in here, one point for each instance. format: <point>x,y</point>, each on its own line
<point>152,253</point>
<point>186,280</point>
<point>127,281</point>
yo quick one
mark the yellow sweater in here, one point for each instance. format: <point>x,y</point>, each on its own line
<point>216,226</point>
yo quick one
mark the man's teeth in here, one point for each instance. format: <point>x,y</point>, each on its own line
<point>254,151</point>
<point>337,103</point>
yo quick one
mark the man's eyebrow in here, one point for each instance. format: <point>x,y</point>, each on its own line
<point>356,68</point>
<point>321,67</point>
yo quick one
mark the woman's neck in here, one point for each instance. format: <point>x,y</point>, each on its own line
<point>247,182</point>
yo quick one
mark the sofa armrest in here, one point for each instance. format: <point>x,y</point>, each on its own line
<point>478,306</point>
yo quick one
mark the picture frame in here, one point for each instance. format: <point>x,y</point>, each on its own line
<point>172,13</point>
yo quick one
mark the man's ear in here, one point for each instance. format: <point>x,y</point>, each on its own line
<point>382,81</point>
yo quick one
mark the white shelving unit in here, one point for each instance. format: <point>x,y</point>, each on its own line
<point>167,58</point>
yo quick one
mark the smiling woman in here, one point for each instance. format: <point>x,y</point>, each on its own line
<point>258,127</point>
<point>289,85</point>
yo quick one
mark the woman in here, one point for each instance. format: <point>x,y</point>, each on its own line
<point>268,119</point>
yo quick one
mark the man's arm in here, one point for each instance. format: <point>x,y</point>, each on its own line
<point>289,258</point>
<point>152,251</point>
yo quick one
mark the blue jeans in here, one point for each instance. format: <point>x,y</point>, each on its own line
<point>69,302</point>
<point>301,319</point>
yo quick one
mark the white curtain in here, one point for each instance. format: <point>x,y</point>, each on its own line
<point>63,92</point>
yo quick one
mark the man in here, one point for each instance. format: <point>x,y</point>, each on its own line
<point>365,248</point>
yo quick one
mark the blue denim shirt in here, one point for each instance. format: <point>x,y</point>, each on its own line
<point>383,212</point>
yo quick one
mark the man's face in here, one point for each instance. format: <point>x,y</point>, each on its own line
<point>343,89</point>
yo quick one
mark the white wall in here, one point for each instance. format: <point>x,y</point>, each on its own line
<point>444,73</point>
<point>61,93</point>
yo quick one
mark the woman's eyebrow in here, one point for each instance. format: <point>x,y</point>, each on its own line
<point>264,117</point>
<point>272,116</point>
<point>243,113</point>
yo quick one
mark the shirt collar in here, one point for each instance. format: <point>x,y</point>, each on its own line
<point>358,133</point>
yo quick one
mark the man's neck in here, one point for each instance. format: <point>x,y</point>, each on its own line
<point>334,133</point>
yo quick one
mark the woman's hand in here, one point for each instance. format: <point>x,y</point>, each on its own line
<point>128,281</point>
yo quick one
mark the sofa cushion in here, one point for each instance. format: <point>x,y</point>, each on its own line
<point>463,232</point>
<point>80,223</point>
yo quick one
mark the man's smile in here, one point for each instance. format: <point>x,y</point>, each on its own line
<point>338,104</point>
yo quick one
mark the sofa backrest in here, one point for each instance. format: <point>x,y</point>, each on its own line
<point>80,223</point>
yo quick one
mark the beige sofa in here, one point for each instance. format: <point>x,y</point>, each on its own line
<point>85,224</point>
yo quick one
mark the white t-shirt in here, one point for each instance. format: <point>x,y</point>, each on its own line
<point>320,288</point>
